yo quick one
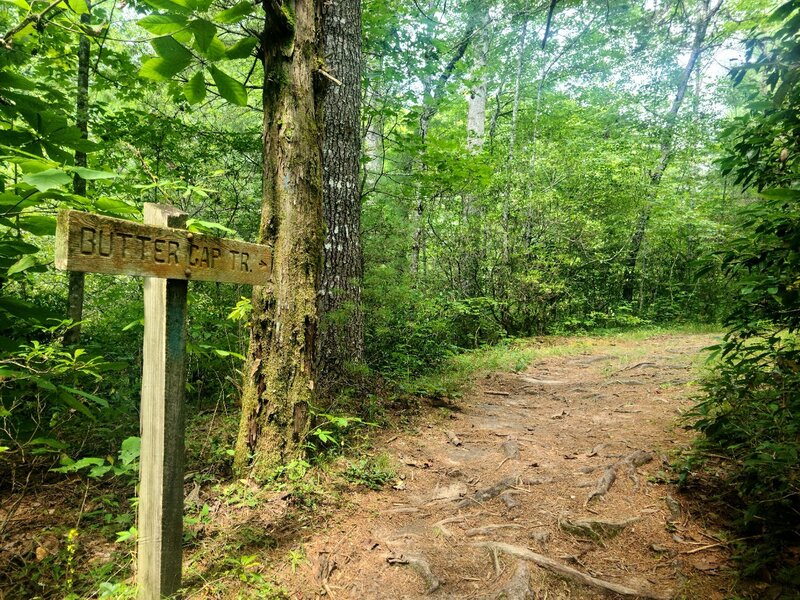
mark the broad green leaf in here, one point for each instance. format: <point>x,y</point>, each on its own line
<point>38,224</point>
<point>15,246</point>
<point>92,174</point>
<point>46,180</point>
<point>781,194</point>
<point>215,50</point>
<point>170,6</point>
<point>230,89</point>
<point>195,88</point>
<point>163,24</point>
<point>78,6</point>
<point>204,32</point>
<point>242,49</point>
<point>9,80</point>
<point>235,13</point>
<point>130,450</point>
<point>208,227</point>
<point>171,51</point>
<point>115,206</point>
<point>18,3</point>
<point>160,69</point>
<point>24,263</point>
<point>29,29</point>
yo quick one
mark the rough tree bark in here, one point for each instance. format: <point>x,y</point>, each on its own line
<point>341,335</point>
<point>279,376</point>
<point>666,146</point>
<point>77,279</point>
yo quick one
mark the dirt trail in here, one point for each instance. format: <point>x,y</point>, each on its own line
<point>566,462</point>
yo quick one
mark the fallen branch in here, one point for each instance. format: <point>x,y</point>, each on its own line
<point>495,393</point>
<point>573,574</point>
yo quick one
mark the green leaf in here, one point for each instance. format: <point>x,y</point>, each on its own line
<point>168,5</point>
<point>208,227</point>
<point>78,6</point>
<point>96,399</point>
<point>75,404</point>
<point>169,49</point>
<point>215,51</point>
<point>195,88</point>
<point>230,89</point>
<point>12,247</point>
<point>26,262</point>
<point>160,69</point>
<point>163,24</point>
<point>235,13</point>
<point>91,174</point>
<point>38,224</point>
<point>9,80</point>
<point>781,194</point>
<point>130,450</point>
<point>204,31</point>
<point>241,49</point>
<point>18,3</point>
<point>114,206</point>
<point>47,180</point>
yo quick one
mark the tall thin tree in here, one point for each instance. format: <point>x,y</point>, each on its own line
<point>77,280</point>
<point>341,339</point>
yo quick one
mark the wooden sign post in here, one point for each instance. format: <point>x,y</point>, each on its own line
<point>167,255</point>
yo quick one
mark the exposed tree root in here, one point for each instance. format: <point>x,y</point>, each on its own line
<point>569,572</point>
<point>501,486</point>
<point>519,586</point>
<point>486,530</point>
<point>453,438</point>
<point>630,462</point>
<point>421,566</point>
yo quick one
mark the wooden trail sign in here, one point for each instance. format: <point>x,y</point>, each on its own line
<point>166,255</point>
<point>98,244</point>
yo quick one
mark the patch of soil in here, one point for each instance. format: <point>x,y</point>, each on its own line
<point>550,483</point>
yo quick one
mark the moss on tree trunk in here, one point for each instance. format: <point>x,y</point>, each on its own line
<point>279,377</point>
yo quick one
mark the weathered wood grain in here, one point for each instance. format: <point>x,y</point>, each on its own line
<point>99,244</point>
<point>162,427</point>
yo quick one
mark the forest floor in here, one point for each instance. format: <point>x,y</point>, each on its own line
<point>532,482</point>
<point>554,480</point>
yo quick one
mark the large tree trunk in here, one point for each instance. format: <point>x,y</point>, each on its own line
<point>666,146</point>
<point>341,339</point>
<point>77,279</point>
<point>279,377</point>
